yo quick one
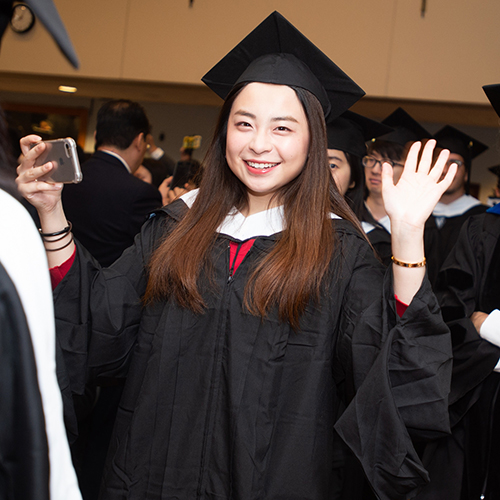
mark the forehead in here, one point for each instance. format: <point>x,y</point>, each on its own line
<point>268,97</point>
<point>336,153</point>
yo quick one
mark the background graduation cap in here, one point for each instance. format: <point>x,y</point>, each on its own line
<point>462,144</point>
<point>459,143</point>
<point>496,171</point>
<point>276,52</point>
<point>493,94</point>
<point>350,131</point>
<point>46,12</point>
<point>406,128</point>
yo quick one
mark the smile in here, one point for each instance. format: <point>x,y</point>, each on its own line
<point>261,166</point>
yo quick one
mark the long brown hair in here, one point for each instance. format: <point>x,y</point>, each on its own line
<point>292,273</point>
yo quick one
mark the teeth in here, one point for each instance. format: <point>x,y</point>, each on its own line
<point>261,166</point>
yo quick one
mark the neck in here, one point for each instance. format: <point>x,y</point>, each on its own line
<point>258,204</point>
<point>448,198</point>
<point>122,153</point>
<point>375,204</point>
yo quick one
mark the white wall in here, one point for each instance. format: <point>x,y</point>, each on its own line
<point>385,45</point>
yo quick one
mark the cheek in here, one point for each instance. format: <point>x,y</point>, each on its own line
<point>342,178</point>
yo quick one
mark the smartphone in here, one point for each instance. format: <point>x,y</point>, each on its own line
<point>62,153</point>
<point>182,174</point>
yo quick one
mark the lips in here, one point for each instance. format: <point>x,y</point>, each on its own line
<point>260,167</point>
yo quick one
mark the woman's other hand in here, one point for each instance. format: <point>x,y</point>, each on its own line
<point>44,196</point>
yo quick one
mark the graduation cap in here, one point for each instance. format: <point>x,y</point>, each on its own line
<point>459,143</point>
<point>350,131</point>
<point>406,128</point>
<point>493,94</point>
<point>496,171</point>
<point>46,11</point>
<point>276,52</point>
<point>462,144</point>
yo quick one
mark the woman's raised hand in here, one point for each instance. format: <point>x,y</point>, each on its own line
<point>412,200</point>
<point>42,195</point>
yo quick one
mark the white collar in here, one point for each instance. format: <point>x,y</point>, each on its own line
<point>236,225</point>
<point>116,155</point>
<point>455,208</point>
<point>385,222</point>
<point>367,227</point>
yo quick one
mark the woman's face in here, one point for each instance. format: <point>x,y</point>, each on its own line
<point>267,140</point>
<point>340,169</point>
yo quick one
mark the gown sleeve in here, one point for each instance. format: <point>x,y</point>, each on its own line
<point>459,291</point>
<point>398,380</point>
<point>98,311</point>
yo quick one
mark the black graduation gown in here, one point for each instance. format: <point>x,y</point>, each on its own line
<point>230,406</point>
<point>379,238</point>
<point>24,454</point>
<point>459,465</point>
<point>438,242</point>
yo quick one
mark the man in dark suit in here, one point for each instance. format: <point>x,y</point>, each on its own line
<point>109,206</point>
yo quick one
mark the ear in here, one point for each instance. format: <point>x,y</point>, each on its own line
<point>351,185</point>
<point>139,141</point>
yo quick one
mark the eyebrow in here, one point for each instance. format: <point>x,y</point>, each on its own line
<point>334,157</point>
<point>276,119</point>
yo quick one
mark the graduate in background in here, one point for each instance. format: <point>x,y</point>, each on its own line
<point>391,147</point>
<point>494,198</point>
<point>347,136</point>
<point>466,464</point>
<point>456,205</point>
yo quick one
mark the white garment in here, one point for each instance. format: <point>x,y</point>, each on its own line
<point>458,207</point>
<point>490,331</point>
<point>23,256</point>
<point>242,228</point>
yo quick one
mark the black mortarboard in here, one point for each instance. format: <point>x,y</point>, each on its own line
<point>459,143</point>
<point>46,11</point>
<point>493,94</point>
<point>406,128</point>
<point>350,131</point>
<point>495,170</point>
<point>276,52</point>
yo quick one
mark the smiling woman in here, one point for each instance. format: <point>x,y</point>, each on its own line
<point>251,312</point>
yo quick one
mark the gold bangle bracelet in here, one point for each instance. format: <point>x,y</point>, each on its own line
<point>408,264</point>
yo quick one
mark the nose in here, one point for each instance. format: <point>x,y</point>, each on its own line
<point>377,168</point>
<point>260,142</point>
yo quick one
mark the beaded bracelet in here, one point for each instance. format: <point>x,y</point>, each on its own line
<point>408,264</point>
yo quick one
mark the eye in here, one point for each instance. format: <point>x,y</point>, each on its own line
<point>333,165</point>
<point>282,128</point>
<point>243,124</point>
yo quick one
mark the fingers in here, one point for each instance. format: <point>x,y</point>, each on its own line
<point>30,154</point>
<point>427,155</point>
<point>448,178</point>
<point>27,142</point>
<point>31,174</point>
<point>437,169</point>
<point>412,158</point>
<point>387,176</point>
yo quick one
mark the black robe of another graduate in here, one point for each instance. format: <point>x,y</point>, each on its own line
<point>24,454</point>
<point>378,235</point>
<point>439,241</point>
<point>227,405</point>
<point>467,464</point>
